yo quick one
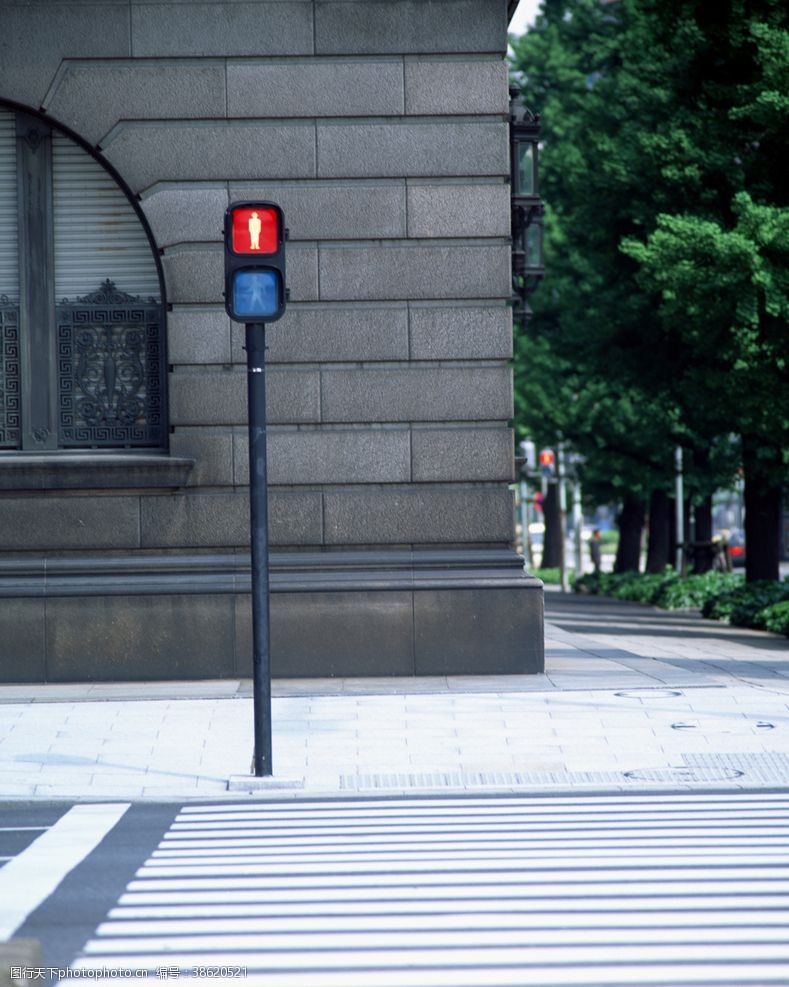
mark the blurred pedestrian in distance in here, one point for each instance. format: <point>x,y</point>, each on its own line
<point>594,549</point>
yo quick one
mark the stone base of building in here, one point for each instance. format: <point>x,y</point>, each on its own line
<point>346,614</point>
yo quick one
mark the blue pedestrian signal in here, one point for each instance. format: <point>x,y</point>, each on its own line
<point>257,295</point>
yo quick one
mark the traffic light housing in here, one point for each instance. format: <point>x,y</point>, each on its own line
<point>529,455</point>
<point>255,237</point>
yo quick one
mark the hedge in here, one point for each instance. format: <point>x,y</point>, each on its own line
<point>721,596</point>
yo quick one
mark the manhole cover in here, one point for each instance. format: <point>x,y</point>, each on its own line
<point>648,693</point>
<point>684,775</point>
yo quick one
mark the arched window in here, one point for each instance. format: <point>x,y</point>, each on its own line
<point>81,316</point>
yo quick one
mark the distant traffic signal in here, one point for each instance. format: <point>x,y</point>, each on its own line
<point>548,462</point>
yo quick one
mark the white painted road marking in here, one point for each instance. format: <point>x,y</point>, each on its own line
<point>513,892</point>
<point>31,876</point>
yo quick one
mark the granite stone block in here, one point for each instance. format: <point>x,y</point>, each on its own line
<point>197,520</point>
<point>417,394</point>
<point>452,332</point>
<point>330,456</point>
<point>295,518</point>
<point>426,149</point>
<point>309,88</point>
<point>414,271</point>
<point>215,397</point>
<point>333,333</point>
<point>60,523</point>
<point>221,520</point>
<point>451,210</point>
<point>212,453</point>
<point>35,38</point>
<point>140,638</point>
<point>446,86</point>
<point>198,335</point>
<point>329,634</point>
<point>197,275</point>
<point>92,97</point>
<point>186,215</point>
<point>352,210</point>
<point>148,152</point>
<point>22,641</point>
<point>418,515</point>
<point>239,28</point>
<point>320,634</point>
<point>458,454</point>
<point>358,27</point>
<point>220,397</point>
<point>466,631</point>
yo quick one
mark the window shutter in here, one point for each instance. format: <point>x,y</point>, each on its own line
<point>9,221</point>
<point>98,235</point>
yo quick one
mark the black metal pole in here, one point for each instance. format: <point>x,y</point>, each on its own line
<point>258,511</point>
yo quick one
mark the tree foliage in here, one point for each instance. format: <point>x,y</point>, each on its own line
<point>662,319</point>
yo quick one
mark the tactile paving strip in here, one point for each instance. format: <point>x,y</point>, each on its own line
<point>704,769</point>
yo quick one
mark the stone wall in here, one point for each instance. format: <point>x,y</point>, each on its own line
<point>380,127</point>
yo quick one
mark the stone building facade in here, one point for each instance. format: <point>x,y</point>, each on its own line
<point>380,127</point>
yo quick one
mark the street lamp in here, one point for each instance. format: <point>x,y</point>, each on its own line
<point>527,208</point>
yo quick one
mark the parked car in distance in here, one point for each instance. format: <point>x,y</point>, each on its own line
<point>736,541</point>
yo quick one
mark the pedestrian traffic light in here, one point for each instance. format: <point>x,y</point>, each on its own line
<point>255,237</point>
<point>547,462</point>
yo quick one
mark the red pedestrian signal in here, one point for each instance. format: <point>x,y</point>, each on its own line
<point>255,237</point>
<point>254,229</point>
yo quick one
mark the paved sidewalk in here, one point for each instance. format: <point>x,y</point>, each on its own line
<point>633,698</point>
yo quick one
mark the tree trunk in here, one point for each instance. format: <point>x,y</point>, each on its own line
<point>659,544</point>
<point>552,539</point>
<point>703,554</point>
<point>762,511</point>
<point>631,524</point>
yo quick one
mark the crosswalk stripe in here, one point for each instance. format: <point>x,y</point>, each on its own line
<point>429,841</point>
<point>688,906</point>
<point>522,920</point>
<point>469,892</point>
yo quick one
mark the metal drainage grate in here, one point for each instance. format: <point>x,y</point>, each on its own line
<point>731,726</point>
<point>684,775</point>
<point>463,780</point>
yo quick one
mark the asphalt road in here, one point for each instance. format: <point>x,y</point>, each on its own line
<point>65,918</point>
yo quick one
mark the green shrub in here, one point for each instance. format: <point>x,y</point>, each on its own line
<point>721,595</point>
<point>588,583</point>
<point>692,591</point>
<point>775,618</point>
<point>643,587</point>
<point>743,604</point>
<point>552,577</point>
<point>602,583</point>
<point>664,589</point>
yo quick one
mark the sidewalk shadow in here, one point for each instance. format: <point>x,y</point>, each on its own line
<point>596,615</point>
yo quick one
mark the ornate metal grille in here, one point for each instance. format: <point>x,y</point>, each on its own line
<point>9,374</point>
<point>111,370</point>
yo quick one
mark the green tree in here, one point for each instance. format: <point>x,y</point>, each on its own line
<point>718,266</point>
<point>664,125</point>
